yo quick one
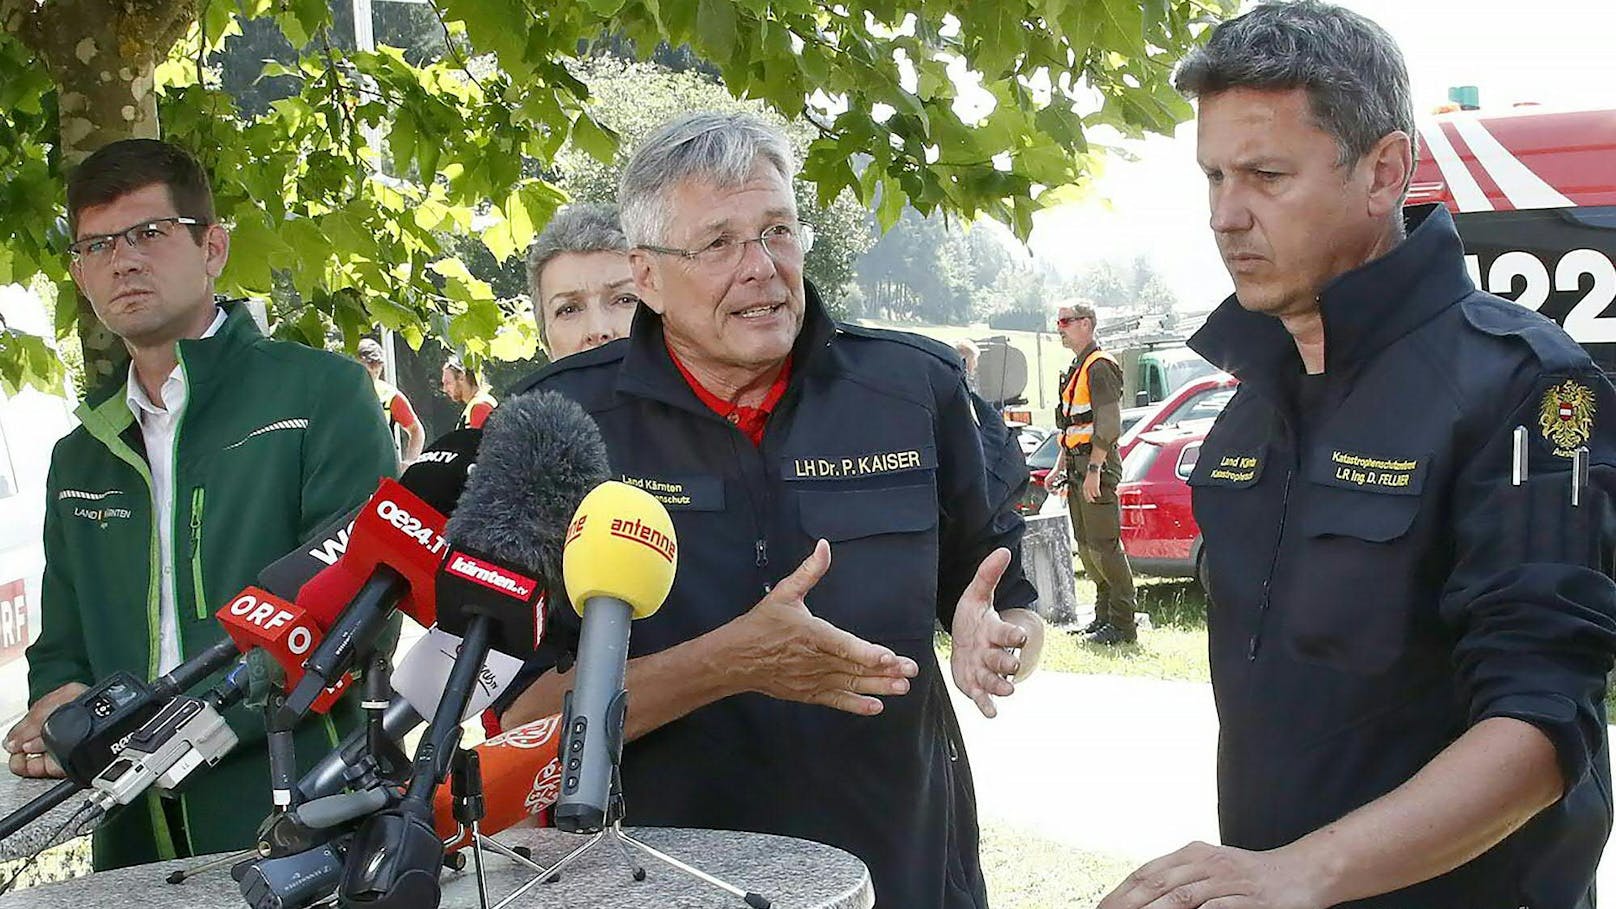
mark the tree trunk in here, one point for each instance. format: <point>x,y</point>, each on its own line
<point>101,54</point>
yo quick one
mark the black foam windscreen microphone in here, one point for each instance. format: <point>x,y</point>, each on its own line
<point>541,455</point>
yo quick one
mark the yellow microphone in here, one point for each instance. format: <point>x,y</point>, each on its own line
<point>618,563</point>
<point>620,545</point>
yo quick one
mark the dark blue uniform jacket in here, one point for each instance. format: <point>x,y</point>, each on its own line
<point>1379,582</point>
<point>874,448</point>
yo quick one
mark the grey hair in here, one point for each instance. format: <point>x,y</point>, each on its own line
<point>1354,74</point>
<point>583,228</point>
<point>1080,308</point>
<point>720,148</point>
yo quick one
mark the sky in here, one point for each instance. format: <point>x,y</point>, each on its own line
<point>1558,53</point>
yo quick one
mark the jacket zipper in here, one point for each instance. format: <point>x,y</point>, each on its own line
<point>1291,469</point>
<point>196,553</point>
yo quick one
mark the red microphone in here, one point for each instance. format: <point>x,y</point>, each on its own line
<point>391,561</point>
<point>396,529</point>
<point>258,618</point>
<point>521,772</point>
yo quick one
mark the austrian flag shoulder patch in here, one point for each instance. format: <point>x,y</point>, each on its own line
<point>1566,416</point>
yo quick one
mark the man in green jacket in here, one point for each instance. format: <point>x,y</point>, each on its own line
<point>219,452</point>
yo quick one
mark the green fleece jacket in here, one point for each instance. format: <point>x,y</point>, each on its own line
<point>276,440</point>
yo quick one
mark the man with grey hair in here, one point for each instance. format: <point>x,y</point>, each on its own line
<point>579,280</point>
<point>1407,516</point>
<point>778,690</point>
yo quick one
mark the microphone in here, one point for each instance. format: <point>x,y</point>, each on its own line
<point>619,561</point>
<point>437,478</point>
<point>396,543</point>
<point>541,454</point>
<point>521,771</point>
<point>256,618</point>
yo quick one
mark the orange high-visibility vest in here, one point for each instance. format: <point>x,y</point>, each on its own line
<point>482,397</point>
<point>1077,406</point>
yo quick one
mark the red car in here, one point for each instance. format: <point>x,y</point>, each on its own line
<point>1159,532</point>
<point>1197,399</point>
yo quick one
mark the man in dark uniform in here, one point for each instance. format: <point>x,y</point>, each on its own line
<point>1089,417</point>
<point>809,702</point>
<point>1407,512</point>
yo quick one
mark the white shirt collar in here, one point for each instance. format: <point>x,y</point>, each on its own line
<point>136,395</point>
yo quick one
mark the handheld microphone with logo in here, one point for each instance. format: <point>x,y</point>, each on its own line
<point>283,630</point>
<point>540,455</point>
<point>396,543</point>
<point>619,562</point>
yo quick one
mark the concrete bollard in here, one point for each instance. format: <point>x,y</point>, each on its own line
<point>1046,555</point>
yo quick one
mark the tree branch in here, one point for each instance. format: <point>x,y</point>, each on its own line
<point>448,42</point>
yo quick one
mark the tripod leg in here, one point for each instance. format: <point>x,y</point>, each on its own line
<point>521,855</point>
<point>551,874</point>
<point>619,841</point>
<point>755,900</point>
<point>477,860</point>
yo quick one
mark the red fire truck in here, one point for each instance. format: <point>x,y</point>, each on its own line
<point>1534,195</point>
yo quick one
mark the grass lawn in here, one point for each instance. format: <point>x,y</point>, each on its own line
<point>1173,647</point>
<point>1027,872</point>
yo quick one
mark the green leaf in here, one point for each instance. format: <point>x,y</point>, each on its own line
<point>594,139</point>
<point>716,24</point>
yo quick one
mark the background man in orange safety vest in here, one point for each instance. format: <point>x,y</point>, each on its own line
<point>1089,417</point>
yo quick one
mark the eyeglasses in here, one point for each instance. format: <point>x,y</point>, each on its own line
<point>99,247</point>
<point>782,242</point>
<point>1064,321</point>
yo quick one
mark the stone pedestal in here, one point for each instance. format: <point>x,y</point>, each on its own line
<point>792,873</point>
<point>1046,554</point>
<point>42,833</point>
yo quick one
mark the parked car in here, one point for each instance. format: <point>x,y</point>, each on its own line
<point>1132,415</point>
<point>1030,437</point>
<point>1159,532</point>
<point>1041,459</point>
<point>1039,464</point>
<point>1198,399</point>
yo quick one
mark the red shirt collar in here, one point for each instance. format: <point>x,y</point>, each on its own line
<point>749,420</point>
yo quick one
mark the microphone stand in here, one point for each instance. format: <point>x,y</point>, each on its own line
<point>466,780</point>
<point>613,832</point>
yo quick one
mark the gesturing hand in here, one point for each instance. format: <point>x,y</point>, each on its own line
<point>782,650</point>
<point>982,661</point>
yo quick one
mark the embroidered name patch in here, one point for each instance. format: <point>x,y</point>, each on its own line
<point>1566,416</point>
<point>1351,470</point>
<point>682,493</point>
<point>1234,469</point>
<point>863,465</point>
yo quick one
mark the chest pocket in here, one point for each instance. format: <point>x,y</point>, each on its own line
<point>1357,575</point>
<point>882,582</point>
